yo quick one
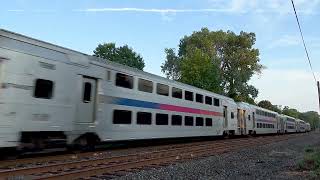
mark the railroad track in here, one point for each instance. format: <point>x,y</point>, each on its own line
<point>105,166</point>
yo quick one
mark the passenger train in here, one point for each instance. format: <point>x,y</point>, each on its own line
<point>54,95</point>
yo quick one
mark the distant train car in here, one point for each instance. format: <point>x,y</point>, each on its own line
<point>281,124</point>
<point>290,124</point>
<point>308,127</point>
<point>301,126</point>
<point>266,121</point>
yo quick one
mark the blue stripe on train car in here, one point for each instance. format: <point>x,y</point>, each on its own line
<point>136,103</point>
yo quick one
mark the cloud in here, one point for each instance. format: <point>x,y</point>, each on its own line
<point>294,88</point>
<point>306,7</point>
<point>143,10</point>
<point>33,11</point>
<point>294,40</point>
<point>285,41</point>
<point>15,10</point>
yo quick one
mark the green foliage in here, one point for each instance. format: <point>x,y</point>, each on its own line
<point>198,70</point>
<point>268,105</point>
<point>311,161</point>
<point>291,112</point>
<point>123,55</point>
<point>233,59</point>
<point>171,68</point>
<point>311,117</point>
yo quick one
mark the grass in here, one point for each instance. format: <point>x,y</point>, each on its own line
<point>311,161</point>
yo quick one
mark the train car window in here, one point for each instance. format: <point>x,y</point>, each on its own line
<point>176,120</point>
<point>199,121</point>
<point>145,85</point>
<point>199,98</point>
<point>43,89</point>
<point>249,118</point>
<point>144,118</point>
<point>188,121</point>
<point>108,76</point>
<point>162,89</point>
<point>162,119</point>
<point>208,100</point>
<point>188,95</point>
<point>258,112</point>
<point>208,121</point>
<point>264,125</point>
<point>176,93</point>
<point>87,92</point>
<point>124,81</point>
<point>216,102</point>
<point>122,117</point>
<point>232,115</point>
<point>258,125</point>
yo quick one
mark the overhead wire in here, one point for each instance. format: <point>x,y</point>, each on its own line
<point>304,44</point>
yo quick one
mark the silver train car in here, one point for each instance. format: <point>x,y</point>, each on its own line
<point>54,95</point>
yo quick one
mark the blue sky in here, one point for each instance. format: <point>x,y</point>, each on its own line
<point>149,26</point>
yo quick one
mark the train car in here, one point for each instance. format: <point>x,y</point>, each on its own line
<point>50,93</point>
<point>308,127</point>
<point>281,124</point>
<point>245,119</point>
<point>290,124</point>
<point>301,126</point>
<point>230,121</point>
<point>265,121</point>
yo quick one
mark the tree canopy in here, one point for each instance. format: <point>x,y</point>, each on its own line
<point>311,117</point>
<point>268,105</point>
<point>290,112</point>
<point>218,61</point>
<point>123,55</point>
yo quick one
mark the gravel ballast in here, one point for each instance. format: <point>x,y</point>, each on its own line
<point>272,161</point>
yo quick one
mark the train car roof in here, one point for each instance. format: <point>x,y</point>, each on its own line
<point>257,107</point>
<point>98,60</point>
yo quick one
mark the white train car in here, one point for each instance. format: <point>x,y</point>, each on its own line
<point>266,121</point>
<point>245,119</point>
<point>308,127</point>
<point>301,125</point>
<point>290,124</point>
<point>281,124</point>
<point>53,93</point>
<point>230,121</point>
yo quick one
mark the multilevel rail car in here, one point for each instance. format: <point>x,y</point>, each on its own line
<point>54,95</point>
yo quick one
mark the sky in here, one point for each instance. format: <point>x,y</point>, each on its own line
<point>150,26</point>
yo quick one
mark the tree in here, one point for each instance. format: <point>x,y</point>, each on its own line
<point>291,112</point>
<point>233,59</point>
<point>123,55</point>
<point>311,117</point>
<point>268,105</point>
<point>198,70</point>
<point>171,67</point>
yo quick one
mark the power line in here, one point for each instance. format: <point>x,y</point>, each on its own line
<point>304,44</point>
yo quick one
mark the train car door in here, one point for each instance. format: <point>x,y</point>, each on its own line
<point>253,120</point>
<point>87,100</point>
<point>244,122</point>
<point>225,116</point>
<point>282,125</point>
